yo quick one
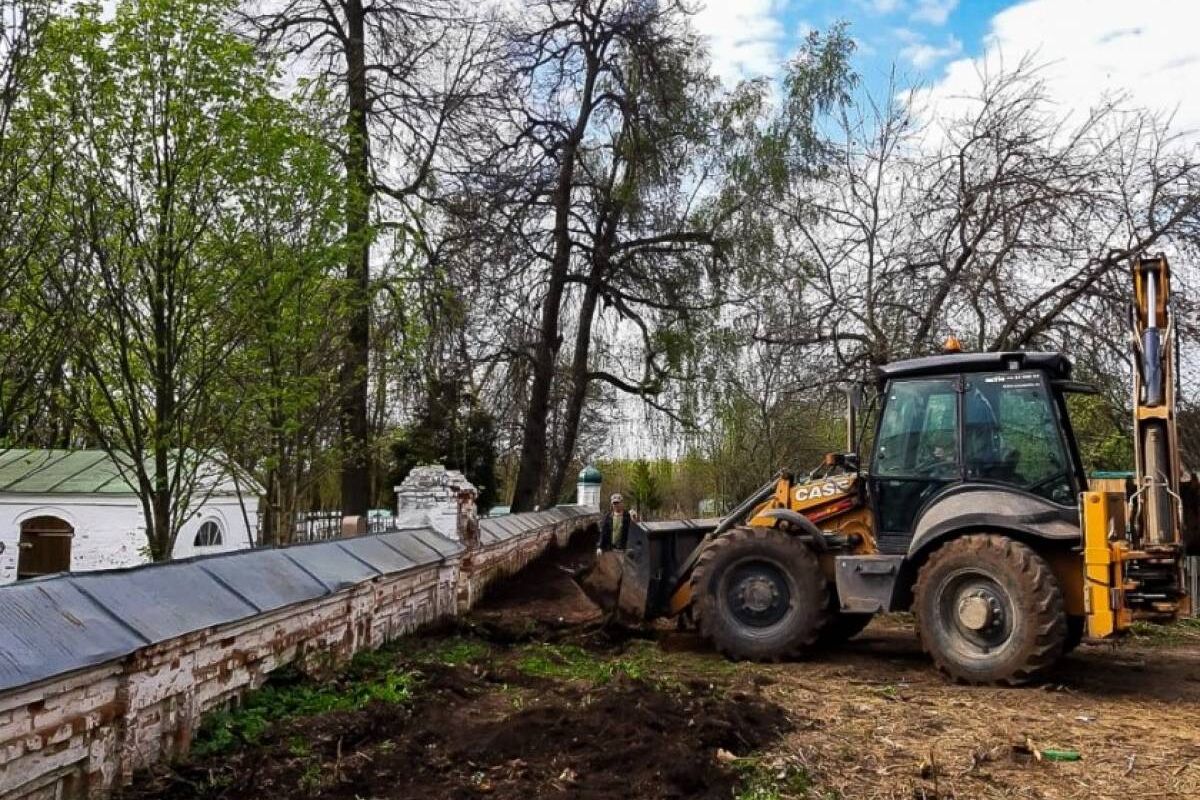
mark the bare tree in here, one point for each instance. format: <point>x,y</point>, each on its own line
<point>618,188</point>
<point>403,71</point>
<point>1007,224</point>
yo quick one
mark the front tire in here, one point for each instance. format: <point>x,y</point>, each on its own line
<point>760,594</point>
<point>989,610</point>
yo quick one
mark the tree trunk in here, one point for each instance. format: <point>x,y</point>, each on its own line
<point>164,413</point>
<point>579,387</point>
<point>269,535</point>
<point>533,444</point>
<point>161,551</point>
<point>610,220</point>
<point>355,429</point>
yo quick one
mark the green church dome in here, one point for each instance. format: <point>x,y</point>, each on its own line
<point>590,475</point>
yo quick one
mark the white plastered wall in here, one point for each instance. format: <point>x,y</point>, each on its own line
<point>587,494</point>
<point>110,529</point>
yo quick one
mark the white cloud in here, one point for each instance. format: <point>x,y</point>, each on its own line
<point>745,37</point>
<point>882,6</point>
<point>934,12</point>
<point>864,47</point>
<point>921,53</point>
<point>1146,50</point>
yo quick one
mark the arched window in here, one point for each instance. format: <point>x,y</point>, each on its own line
<point>209,535</point>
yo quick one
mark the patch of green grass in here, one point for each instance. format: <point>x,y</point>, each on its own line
<point>311,780</point>
<point>571,663</point>
<point>371,662</point>
<point>706,664</point>
<point>223,730</point>
<point>888,690</point>
<point>1180,632</point>
<point>453,651</point>
<point>641,660</point>
<point>758,781</point>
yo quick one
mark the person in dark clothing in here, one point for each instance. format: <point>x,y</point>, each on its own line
<point>614,530</point>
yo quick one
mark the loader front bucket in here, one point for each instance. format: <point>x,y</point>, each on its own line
<point>635,584</point>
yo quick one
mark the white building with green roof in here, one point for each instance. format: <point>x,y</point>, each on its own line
<point>73,510</point>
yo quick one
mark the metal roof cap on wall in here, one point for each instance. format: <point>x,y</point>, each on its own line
<point>405,546</point>
<point>168,601</point>
<point>506,527</point>
<point>441,544</point>
<point>49,627</point>
<point>335,568</point>
<point>378,552</point>
<point>61,623</point>
<point>268,579</point>
<point>489,534</point>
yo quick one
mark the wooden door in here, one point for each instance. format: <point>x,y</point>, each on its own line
<point>45,547</point>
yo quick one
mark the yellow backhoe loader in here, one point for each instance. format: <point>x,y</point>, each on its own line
<point>973,511</point>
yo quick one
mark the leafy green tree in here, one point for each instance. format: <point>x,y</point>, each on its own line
<point>286,245</point>
<point>1102,431</point>
<point>160,106</point>
<point>632,158</point>
<point>645,489</point>
<point>32,331</point>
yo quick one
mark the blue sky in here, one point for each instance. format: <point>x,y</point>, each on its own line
<point>918,38</point>
<point>1144,49</point>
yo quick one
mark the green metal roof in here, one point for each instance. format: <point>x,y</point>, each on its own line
<point>60,472</point>
<point>590,475</point>
<point>85,472</point>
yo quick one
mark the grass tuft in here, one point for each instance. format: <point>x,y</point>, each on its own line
<point>759,781</point>
<point>453,651</point>
<point>224,730</point>
<point>1179,632</point>
<point>572,663</point>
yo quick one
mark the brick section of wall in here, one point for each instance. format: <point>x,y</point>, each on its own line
<point>80,734</point>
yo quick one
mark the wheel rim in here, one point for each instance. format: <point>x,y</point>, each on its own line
<point>977,612</point>
<point>757,593</point>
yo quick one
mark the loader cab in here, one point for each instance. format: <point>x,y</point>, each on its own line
<point>987,420</point>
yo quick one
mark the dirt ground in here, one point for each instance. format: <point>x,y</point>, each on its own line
<point>529,698</point>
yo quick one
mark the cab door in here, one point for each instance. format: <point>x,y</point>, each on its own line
<point>918,452</point>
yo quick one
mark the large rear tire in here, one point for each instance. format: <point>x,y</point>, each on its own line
<point>760,594</point>
<point>989,610</point>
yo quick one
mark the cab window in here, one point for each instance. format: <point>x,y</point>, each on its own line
<point>918,434</point>
<point>1011,435</point>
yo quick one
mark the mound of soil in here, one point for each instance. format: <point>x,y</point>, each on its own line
<point>539,599</point>
<point>470,737</point>
<point>626,741</point>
